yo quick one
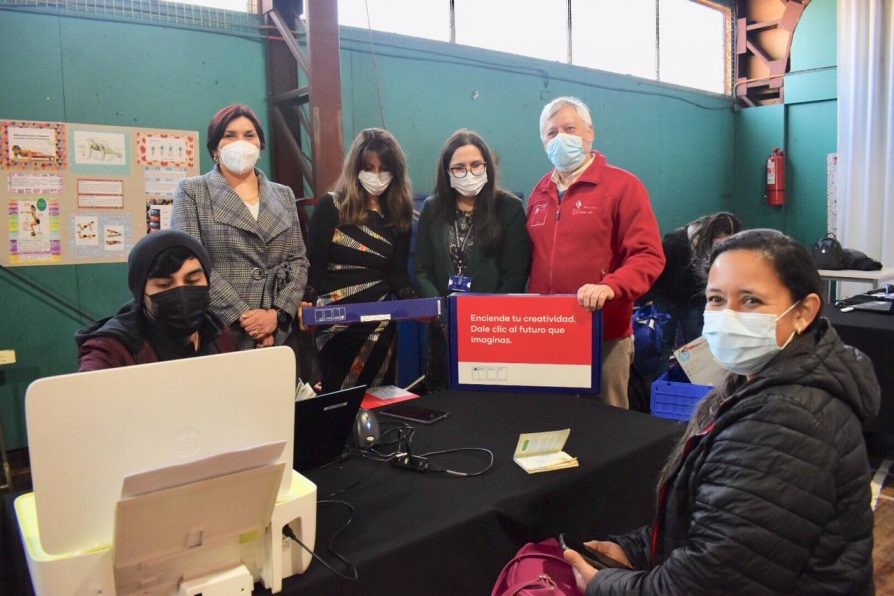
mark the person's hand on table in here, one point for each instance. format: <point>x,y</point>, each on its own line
<point>583,571</point>
<point>594,296</point>
<point>259,322</point>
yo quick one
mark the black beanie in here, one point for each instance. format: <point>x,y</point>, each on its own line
<point>144,252</point>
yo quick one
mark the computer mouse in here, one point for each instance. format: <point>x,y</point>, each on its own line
<point>366,429</point>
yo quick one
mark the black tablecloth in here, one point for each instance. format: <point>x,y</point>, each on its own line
<point>873,334</point>
<point>425,533</point>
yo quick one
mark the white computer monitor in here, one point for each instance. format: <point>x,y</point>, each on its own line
<point>88,431</point>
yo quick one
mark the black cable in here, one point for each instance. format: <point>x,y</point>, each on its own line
<point>490,463</point>
<point>288,532</point>
<point>372,454</point>
<point>332,540</point>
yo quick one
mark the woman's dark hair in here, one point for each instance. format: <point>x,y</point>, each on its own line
<point>169,261</point>
<point>487,228</point>
<point>791,261</point>
<point>350,196</point>
<point>708,229</point>
<point>218,125</point>
<point>797,271</point>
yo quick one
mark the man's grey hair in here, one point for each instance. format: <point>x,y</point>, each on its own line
<point>560,103</point>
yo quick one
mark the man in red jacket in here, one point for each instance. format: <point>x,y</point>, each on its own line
<point>593,234</point>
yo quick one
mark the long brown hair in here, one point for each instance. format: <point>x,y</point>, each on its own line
<point>350,196</point>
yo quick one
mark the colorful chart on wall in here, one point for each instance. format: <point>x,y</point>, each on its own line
<point>84,193</point>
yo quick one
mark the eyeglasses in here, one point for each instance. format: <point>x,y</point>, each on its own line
<point>459,171</point>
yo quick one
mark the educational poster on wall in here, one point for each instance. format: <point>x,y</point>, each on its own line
<point>158,214</point>
<point>27,183</point>
<point>96,151</point>
<point>524,342</point>
<point>32,145</point>
<point>86,193</point>
<point>165,149</point>
<point>34,231</point>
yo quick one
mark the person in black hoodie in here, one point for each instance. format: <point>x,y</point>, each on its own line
<point>768,490</point>
<point>680,289</point>
<point>168,318</point>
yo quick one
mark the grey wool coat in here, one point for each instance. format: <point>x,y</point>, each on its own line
<point>257,264</point>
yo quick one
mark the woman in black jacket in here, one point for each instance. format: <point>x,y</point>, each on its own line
<point>359,247</point>
<point>768,490</point>
<point>471,237</point>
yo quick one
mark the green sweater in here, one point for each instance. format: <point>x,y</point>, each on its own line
<point>502,273</point>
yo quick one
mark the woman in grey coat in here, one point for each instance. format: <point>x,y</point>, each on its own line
<point>249,226</point>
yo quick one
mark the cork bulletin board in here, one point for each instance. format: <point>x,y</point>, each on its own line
<point>84,193</point>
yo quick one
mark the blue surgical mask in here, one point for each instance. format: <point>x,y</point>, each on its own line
<point>566,152</point>
<point>743,343</point>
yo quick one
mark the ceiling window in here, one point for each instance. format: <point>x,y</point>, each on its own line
<point>692,45</point>
<point>420,18</point>
<point>536,29</point>
<point>614,36</point>
<point>683,42</point>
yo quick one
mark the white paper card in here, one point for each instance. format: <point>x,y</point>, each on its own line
<point>699,363</point>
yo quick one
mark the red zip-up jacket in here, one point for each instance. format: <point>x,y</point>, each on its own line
<point>603,232</point>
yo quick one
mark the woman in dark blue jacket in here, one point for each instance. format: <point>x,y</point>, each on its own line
<point>768,490</point>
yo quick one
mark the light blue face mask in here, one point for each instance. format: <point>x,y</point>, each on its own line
<point>566,152</point>
<point>743,343</point>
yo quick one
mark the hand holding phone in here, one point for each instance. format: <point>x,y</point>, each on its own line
<point>593,557</point>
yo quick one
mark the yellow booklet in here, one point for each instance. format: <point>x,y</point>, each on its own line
<point>542,452</point>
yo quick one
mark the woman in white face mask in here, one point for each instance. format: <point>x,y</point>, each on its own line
<point>767,492</point>
<point>359,247</point>
<point>249,226</point>
<point>471,236</point>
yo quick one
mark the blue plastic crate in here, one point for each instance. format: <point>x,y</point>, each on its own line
<point>674,397</point>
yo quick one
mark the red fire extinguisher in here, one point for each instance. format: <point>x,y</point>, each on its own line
<point>776,178</point>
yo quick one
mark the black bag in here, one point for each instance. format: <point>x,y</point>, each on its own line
<point>854,259</point>
<point>828,253</point>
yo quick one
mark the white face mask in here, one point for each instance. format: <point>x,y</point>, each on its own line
<point>469,185</point>
<point>239,156</point>
<point>375,184</point>
<point>743,343</point>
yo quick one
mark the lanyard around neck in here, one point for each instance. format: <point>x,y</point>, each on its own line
<point>461,245</point>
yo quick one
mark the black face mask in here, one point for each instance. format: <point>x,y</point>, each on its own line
<point>180,311</point>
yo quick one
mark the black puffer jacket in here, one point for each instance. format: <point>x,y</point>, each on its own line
<point>772,494</point>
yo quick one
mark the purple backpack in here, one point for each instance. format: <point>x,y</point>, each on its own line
<point>537,569</point>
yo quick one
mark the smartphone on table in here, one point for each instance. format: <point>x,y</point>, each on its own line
<point>413,413</point>
<point>593,557</point>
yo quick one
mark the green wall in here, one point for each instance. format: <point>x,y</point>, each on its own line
<point>805,126</point>
<point>100,72</point>
<point>679,142</point>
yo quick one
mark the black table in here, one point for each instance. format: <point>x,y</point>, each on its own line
<point>426,533</point>
<point>873,334</point>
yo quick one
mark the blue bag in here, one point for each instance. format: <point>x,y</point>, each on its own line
<point>648,338</point>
